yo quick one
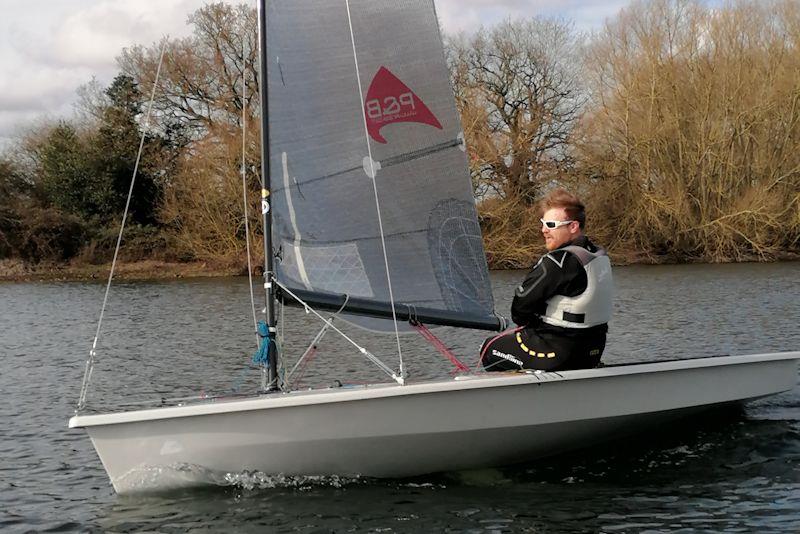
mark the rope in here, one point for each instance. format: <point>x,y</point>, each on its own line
<point>261,357</point>
<point>440,346</point>
<point>307,357</point>
<point>87,374</point>
<point>375,188</point>
<point>279,338</point>
<point>308,353</point>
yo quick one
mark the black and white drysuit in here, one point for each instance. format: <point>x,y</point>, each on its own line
<point>562,308</point>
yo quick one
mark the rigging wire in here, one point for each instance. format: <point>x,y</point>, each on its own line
<point>312,347</point>
<point>243,169</point>
<point>372,174</point>
<point>371,357</point>
<point>244,196</point>
<point>87,374</point>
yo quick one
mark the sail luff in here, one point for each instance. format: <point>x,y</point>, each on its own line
<point>266,213</point>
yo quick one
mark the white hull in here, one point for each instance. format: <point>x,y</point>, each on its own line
<point>399,431</point>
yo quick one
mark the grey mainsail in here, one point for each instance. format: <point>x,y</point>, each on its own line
<point>331,136</point>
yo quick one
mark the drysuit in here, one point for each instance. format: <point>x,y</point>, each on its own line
<point>562,309</point>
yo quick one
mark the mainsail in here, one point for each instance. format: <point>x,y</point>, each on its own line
<point>368,165</point>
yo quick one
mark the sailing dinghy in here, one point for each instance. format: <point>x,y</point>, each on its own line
<point>368,212</point>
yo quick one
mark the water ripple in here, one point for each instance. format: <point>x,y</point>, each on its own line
<point>739,472</point>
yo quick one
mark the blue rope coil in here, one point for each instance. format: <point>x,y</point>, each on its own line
<point>261,357</point>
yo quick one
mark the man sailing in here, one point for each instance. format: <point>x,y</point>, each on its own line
<point>563,306</point>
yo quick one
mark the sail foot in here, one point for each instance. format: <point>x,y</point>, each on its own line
<point>383,310</point>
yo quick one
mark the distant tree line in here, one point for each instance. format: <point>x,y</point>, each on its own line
<point>65,188</point>
<point>678,124</point>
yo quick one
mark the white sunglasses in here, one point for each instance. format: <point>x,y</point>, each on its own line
<point>554,224</point>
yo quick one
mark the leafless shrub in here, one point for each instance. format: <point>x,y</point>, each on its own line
<point>691,143</point>
<point>203,207</point>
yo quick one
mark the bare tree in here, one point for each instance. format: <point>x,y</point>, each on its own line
<point>519,97</point>
<point>92,100</point>
<point>201,79</point>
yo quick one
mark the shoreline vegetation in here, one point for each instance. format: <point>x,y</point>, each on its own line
<point>153,270</point>
<point>677,124</point>
<point>142,270</point>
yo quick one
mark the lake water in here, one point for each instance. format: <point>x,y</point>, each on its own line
<point>734,473</point>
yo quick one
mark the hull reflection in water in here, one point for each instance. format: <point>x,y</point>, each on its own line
<point>390,431</point>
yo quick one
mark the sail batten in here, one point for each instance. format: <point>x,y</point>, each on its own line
<point>393,160</point>
<point>336,143</point>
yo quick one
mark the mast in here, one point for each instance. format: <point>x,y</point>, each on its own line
<point>266,214</point>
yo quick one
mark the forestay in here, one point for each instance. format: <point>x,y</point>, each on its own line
<point>330,137</point>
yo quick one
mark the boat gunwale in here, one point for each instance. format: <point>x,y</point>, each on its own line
<point>221,405</point>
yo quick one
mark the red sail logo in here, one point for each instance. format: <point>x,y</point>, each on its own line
<point>389,100</point>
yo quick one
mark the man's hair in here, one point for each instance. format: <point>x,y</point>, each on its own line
<point>563,199</point>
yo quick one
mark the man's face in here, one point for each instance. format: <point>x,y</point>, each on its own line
<point>564,233</point>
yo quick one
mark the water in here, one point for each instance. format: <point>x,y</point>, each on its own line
<point>735,473</point>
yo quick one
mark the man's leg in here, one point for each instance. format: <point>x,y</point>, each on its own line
<point>503,353</point>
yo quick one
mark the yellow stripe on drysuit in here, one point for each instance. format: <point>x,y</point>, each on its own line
<point>533,353</point>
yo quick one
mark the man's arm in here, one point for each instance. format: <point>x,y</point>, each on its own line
<point>553,275</point>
